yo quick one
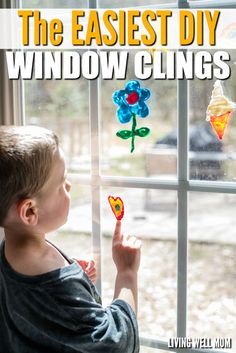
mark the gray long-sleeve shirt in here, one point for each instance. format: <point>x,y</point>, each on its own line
<point>61,312</point>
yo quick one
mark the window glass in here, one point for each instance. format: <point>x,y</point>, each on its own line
<point>132,3</point>
<point>155,154</point>
<point>211,297</point>
<point>210,157</point>
<point>53,4</point>
<point>63,106</point>
<point>157,274</point>
<point>74,238</point>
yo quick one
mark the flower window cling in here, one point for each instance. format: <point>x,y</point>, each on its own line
<point>131,102</point>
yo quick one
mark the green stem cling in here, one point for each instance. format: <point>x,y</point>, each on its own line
<point>134,124</point>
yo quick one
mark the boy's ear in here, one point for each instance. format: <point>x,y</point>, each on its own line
<point>27,212</point>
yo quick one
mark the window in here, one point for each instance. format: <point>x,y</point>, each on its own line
<point>180,200</point>
<point>211,159</point>
<point>130,3</point>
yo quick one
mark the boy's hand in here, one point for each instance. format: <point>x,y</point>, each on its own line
<point>125,251</point>
<point>89,268</point>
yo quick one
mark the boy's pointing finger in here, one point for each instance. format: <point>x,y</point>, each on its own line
<point>117,232</point>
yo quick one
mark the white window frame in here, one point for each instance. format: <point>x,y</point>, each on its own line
<point>182,185</point>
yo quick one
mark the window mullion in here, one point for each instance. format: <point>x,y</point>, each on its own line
<point>94,111</point>
<point>95,183</point>
<point>95,169</point>
<point>182,106</point>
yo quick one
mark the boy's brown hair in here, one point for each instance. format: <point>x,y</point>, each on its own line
<point>26,156</point>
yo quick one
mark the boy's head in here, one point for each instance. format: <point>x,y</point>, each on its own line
<point>26,158</point>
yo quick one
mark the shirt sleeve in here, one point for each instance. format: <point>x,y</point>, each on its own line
<point>95,329</point>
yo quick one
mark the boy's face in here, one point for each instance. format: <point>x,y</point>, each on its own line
<point>53,201</point>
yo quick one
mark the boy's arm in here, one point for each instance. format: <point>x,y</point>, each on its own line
<point>126,289</point>
<point>96,329</point>
<point>126,255</point>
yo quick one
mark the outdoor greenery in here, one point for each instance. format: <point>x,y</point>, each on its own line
<point>56,99</point>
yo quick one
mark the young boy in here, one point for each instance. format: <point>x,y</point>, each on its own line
<point>47,301</point>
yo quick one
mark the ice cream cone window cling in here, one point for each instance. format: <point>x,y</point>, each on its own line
<point>132,103</point>
<point>219,110</point>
